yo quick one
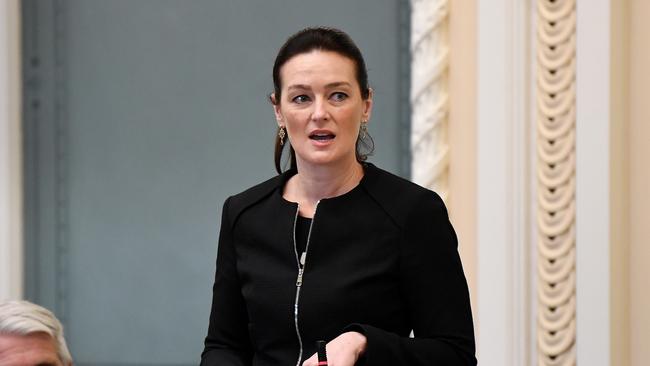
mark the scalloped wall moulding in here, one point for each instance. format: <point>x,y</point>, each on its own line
<point>556,166</point>
<point>430,94</point>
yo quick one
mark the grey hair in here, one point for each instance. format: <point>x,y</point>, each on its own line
<point>24,318</point>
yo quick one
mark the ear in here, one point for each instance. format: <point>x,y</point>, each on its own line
<point>367,105</point>
<point>279,118</point>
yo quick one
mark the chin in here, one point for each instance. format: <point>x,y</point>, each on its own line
<point>320,161</point>
<point>324,159</point>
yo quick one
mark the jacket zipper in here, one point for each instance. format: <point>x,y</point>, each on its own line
<point>300,261</point>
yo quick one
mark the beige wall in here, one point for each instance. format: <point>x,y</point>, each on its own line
<point>639,180</point>
<point>619,192</point>
<point>462,134</point>
<point>630,179</point>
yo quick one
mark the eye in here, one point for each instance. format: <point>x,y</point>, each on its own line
<point>299,99</point>
<point>339,96</point>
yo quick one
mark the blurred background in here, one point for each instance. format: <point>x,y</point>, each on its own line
<point>124,125</point>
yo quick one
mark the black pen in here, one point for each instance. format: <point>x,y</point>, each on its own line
<point>322,355</point>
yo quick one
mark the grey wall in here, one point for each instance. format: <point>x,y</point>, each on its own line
<point>140,118</point>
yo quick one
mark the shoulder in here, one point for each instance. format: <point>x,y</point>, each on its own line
<point>401,199</point>
<point>237,203</point>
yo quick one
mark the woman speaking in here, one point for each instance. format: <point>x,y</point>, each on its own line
<point>335,248</point>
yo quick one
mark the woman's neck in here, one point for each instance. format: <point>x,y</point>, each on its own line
<point>315,182</point>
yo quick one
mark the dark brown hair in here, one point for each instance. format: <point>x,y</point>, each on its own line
<point>326,39</point>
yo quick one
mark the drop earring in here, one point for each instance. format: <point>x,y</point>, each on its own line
<point>363,129</point>
<point>281,134</point>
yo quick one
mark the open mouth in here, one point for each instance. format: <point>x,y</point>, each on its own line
<point>322,136</point>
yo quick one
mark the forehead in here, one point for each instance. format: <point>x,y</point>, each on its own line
<point>318,66</point>
<point>32,349</point>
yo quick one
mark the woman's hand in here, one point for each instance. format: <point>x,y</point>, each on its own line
<point>343,350</point>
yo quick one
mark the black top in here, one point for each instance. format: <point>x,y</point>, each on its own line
<point>302,232</point>
<point>382,260</point>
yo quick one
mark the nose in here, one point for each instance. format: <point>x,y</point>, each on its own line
<point>320,112</point>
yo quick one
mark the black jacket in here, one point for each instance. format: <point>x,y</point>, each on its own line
<point>382,260</point>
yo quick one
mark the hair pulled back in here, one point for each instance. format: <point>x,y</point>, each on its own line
<point>324,39</point>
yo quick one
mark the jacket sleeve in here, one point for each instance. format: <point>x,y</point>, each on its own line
<point>436,293</point>
<point>227,342</point>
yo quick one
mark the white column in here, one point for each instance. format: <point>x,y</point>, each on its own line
<point>502,201</point>
<point>10,153</point>
<point>592,182</point>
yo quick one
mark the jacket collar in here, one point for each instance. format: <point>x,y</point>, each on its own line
<point>370,174</point>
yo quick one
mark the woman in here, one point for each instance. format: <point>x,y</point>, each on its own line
<point>335,248</point>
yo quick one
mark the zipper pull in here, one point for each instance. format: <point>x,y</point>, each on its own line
<point>302,258</point>
<point>299,279</point>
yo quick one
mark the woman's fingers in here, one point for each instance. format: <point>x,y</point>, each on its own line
<point>311,361</point>
<point>343,350</point>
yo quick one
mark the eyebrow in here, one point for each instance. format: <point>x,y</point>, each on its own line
<point>330,85</point>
